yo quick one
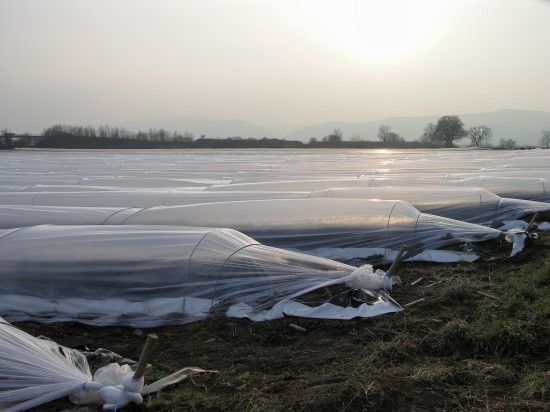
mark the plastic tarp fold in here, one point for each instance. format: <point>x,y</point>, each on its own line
<point>144,276</point>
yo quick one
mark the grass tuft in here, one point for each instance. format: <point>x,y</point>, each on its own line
<point>536,386</point>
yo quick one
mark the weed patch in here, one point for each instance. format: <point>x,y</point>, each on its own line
<point>535,385</point>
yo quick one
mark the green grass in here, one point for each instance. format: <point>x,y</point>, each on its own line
<point>536,385</point>
<point>515,323</point>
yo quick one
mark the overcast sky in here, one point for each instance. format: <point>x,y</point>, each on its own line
<point>275,63</point>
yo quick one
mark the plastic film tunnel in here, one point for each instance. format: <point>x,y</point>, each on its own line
<point>469,204</point>
<point>342,229</point>
<point>537,189</point>
<point>138,198</point>
<point>145,276</point>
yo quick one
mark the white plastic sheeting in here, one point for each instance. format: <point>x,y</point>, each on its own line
<point>144,276</point>
<point>537,189</point>
<point>366,229</point>
<point>34,371</point>
<point>529,188</point>
<point>186,169</point>
<point>301,185</point>
<point>342,229</point>
<point>143,198</point>
<point>474,205</point>
<point>14,216</point>
<point>123,182</point>
<point>63,188</point>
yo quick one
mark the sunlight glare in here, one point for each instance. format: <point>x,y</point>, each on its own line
<point>378,29</point>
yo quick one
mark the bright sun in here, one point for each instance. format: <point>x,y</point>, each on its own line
<point>378,29</point>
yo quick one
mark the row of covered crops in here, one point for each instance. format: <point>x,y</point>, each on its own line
<point>152,238</point>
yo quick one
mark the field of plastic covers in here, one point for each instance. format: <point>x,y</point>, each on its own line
<point>308,280</point>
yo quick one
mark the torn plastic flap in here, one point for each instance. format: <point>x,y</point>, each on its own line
<point>518,238</point>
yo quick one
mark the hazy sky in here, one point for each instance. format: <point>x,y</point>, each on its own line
<point>275,63</point>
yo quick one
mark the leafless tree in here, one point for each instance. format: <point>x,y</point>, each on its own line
<point>480,135</point>
<point>428,136</point>
<point>545,139</point>
<point>394,138</point>
<point>336,136</point>
<point>507,144</point>
<point>188,136</point>
<point>383,132</point>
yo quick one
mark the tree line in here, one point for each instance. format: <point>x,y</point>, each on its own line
<point>444,133</point>
<point>108,132</point>
<point>450,129</point>
<point>69,136</point>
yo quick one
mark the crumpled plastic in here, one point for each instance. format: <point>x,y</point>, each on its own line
<point>518,238</point>
<point>364,278</point>
<point>117,388</point>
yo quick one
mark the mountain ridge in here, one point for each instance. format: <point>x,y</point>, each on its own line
<point>524,126</point>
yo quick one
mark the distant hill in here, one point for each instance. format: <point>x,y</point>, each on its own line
<point>202,126</point>
<point>524,126</point>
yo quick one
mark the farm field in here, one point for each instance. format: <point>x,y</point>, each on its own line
<point>473,333</point>
<point>478,341</point>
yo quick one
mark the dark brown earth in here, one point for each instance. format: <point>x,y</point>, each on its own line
<point>479,340</point>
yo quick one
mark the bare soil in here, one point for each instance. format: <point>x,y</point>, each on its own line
<point>461,346</point>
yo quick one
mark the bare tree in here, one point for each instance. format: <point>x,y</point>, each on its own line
<point>394,139</point>
<point>545,139</point>
<point>104,131</point>
<point>480,135</point>
<point>428,136</point>
<point>188,136</point>
<point>336,136</point>
<point>507,144</point>
<point>383,132</point>
<point>7,141</point>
